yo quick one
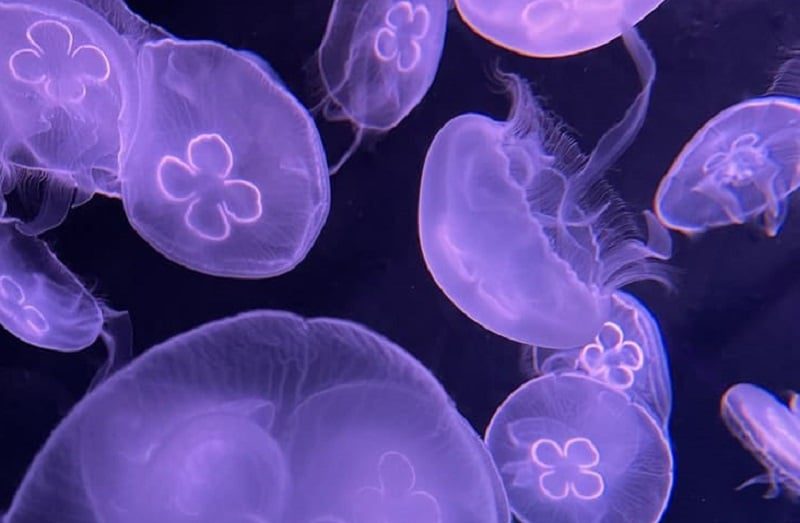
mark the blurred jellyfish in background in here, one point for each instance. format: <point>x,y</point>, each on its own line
<point>552,28</point>
<point>572,449</point>
<point>377,60</point>
<point>627,354</point>
<point>266,417</point>
<point>770,431</point>
<point>520,229</point>
<point>741,166</point>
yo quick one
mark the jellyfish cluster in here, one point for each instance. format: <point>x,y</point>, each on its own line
<point>270,417</point>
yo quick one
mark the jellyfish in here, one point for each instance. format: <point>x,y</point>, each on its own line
<point>740,166</point>
<point>571,449</point>
<point>552,28</point>
<point>66,78</point>
<point>262,418</point>
<point>521,231</point>
<point>627,354</point>
<point>225,173</point>
<point>770,430</point>
<point>377,60</point>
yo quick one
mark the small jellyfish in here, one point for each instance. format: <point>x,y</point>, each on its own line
<point>552,28</point>
<point>262,418</point>
<point>521,231</point>
<point>225,174</point>
<point>740,166</point>
<point>66,78</point>
<point>377,60</point>
<point>626,354</point>
<point>770,431</point>
<point>571,449</point>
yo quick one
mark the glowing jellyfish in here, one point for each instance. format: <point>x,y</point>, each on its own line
<point>627,354</point>
<point>65,78</point>
<point>520,230</point>
<point>770,431</point>
<point>226,174</point>
<point>239,420</point>
<point>551,28</point>
<point>740,166</point>
<point>571,449</point>
<point>378,58</point>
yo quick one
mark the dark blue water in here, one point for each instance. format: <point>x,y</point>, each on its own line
<point>734,315</point>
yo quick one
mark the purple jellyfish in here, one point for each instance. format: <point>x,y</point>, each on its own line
<point>261,418</point>
<point>521,231</point>
<point>571,449</point>
<point>225,174</point>
<point>552,28</point>
<point>378,59</point>
<point>740,166</point>
<point>770,431</point>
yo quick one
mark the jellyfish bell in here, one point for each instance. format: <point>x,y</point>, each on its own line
<point>572,449</point>
<point>226,173</point>
<point>239,420</point>
<point>519,228</point>
<point>552,28</point>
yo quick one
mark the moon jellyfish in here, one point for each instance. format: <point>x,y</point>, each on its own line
<point>226,174</point>
<point>627,354</point>
<point>377,60</point>
<point>260,418</point>
<point>770,431</point>
<point>521,231</point>
<point>552,28</point>
<point>66,76</point>
<point>740,166</point>
<point>571,449</point>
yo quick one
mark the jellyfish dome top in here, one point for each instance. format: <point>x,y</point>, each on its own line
<point>552,28</point>
<point>741,166</point>
<point>520,229</point>
<point>225,173</point>
<point>265,417</point>
<point>571,449</point>
<point>770,430</point>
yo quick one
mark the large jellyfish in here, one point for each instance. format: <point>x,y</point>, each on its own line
<point>551,28</point>
<point>225,173</point>
<point>521,231</point>
<point>377,60</point>
<point>626,354</point>
<point>262,418</point>
<point>571,449</point>
<point>66,77</point>
<point>770,431</point>
<point>740,166</point>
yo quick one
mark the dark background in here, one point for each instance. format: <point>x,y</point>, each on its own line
<point>734,316</point>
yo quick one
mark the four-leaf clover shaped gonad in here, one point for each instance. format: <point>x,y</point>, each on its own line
<point>611,357</point>
<point>399,39</point>
<point>14,304</point>
<point>569,469</point>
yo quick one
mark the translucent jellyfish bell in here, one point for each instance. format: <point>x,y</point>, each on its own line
<point>226,174</point>
<point>740,166</point>
<point>65,79</point>
<point>770,431</point>
<point>551,28</point>
<point>263,418</point>
<point>571,449</point>
<point>521,231</point>
<point>626,354</point>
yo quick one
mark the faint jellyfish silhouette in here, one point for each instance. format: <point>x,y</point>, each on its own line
<point>377,60</point>
<point>740,166</point>
<point>521,231</point>
<point>770,431</point>
<point>627,354</point>
<point>235,422</point>
<point>571,449</point>
<point>66,80</point>
<point>552,28</point>
<point>226,174</point>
